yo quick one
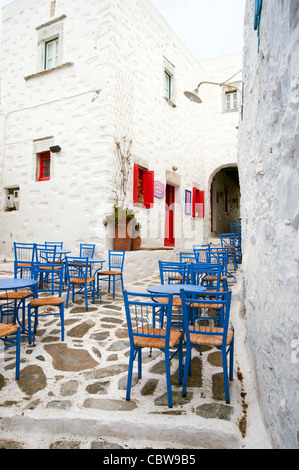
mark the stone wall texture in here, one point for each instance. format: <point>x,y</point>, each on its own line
<point>269,173</point>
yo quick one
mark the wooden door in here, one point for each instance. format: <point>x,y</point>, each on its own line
<point>169,216</point>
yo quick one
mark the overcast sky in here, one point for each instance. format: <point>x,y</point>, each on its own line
<point>208,28</point>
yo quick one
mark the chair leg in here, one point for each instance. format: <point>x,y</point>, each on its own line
<point>168,378</point>
<point>187,367</point>
<point>231,361</point>
<point>130,372</point>
<point>113,285</point>
<point>225,375</point>
<point>18,353</point>
<point>61,309</point>
<point>67,296</point>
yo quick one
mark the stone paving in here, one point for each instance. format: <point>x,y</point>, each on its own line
<point>71,394</point>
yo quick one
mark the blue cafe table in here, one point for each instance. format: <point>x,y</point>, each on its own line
<point>175,289</point>
<point>13,284</point>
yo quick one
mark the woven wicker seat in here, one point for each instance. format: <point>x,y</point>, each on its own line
<point>201,305</point>
<point>15,295</point>
<point>176,301</point>
<point>159,343</point>
<point>208,339</point>
<point>81,280</point>
<point>44,301</point>
<point>110,273</point>
<point>6,330</point>
<point>10,336</point>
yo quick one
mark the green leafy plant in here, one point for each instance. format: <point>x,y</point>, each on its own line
<point>119,215</point>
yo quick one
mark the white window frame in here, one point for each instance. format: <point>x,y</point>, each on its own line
<point>49,33</point>
<point>231,100</point>
<point>169,84</point>
<point>51,56</point>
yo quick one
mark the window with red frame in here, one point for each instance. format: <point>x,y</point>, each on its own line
<point>198,203</point>
<point>143,187</point>
<point>44,164</point>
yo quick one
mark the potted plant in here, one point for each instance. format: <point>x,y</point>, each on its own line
<point>136,239</point>
<point>119,219</point>
<point>121,216</point>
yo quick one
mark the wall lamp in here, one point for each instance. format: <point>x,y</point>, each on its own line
<point>193,95</point>
<point>55,149</point>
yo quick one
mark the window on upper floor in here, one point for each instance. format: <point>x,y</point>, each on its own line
<point>50,44</point>
<point>167,89</point>
<point>43,166</point>
<point>51,53</point>
<point>169,92</point>
<point>231,100</point>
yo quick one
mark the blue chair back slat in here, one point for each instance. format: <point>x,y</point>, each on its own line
<point>202,253</point>
<point>116,260</point>
<point>24,254</point>
<point>187,257</point>
<point>173,272</point>
<point>87,250</point>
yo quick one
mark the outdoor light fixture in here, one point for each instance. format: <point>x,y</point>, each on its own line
<point>55,149</point>
<point>193,95</point>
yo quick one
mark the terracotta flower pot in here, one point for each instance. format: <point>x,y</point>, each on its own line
<point>136,242</point>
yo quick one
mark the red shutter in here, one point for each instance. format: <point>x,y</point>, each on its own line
<point>148,188</point>
<point>201,202</point>
<point>135,184</point>
<point>194,202</point>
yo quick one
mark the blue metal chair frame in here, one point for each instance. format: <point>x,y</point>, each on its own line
<point>24,255</point>
<point>77,275</point>
<point>174,272</point>
<point>58,301</point>
<point>148,332</point>
<point>202,253</point>
<point>209,331</point>
<point>11,336</point>
<point>49,272</point>
<point>115,270</point>
<point>206,274</point>
<point>228,241</point>
<point>220,256</point>
<point>187,257</point>
<point>87,250</point>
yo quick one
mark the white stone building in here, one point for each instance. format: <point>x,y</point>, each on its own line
<point>269,180</point>
<point>79,75</point>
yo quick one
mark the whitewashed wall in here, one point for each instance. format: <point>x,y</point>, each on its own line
<point>110,85</point>
<point>269,144</point>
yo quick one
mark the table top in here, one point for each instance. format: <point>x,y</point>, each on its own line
<point>175,288</point>
<point>16,283</point>
<point>96,260</point>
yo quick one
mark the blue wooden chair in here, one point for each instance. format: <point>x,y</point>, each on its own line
<point>173,272</point>
<point>49,269</point>
<point>87,251</point>
<point>187,257</point>
<point>209,329</point>
<point>206,274</point>
<point>146,330</point>
<point>51,301</point>
<point>115,270</point>
<point>10,336</point>
<point>24,254</point>
<point>202,253</point>
<point>77,277</point>
<point>228,242</point>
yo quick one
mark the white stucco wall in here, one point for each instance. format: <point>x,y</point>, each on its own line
<point>109,84</point>
<point>269,170</point>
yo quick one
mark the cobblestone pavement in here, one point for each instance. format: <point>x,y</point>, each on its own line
<point>71,394</point>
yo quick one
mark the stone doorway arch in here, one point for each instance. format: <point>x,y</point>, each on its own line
<point>225,199</point>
